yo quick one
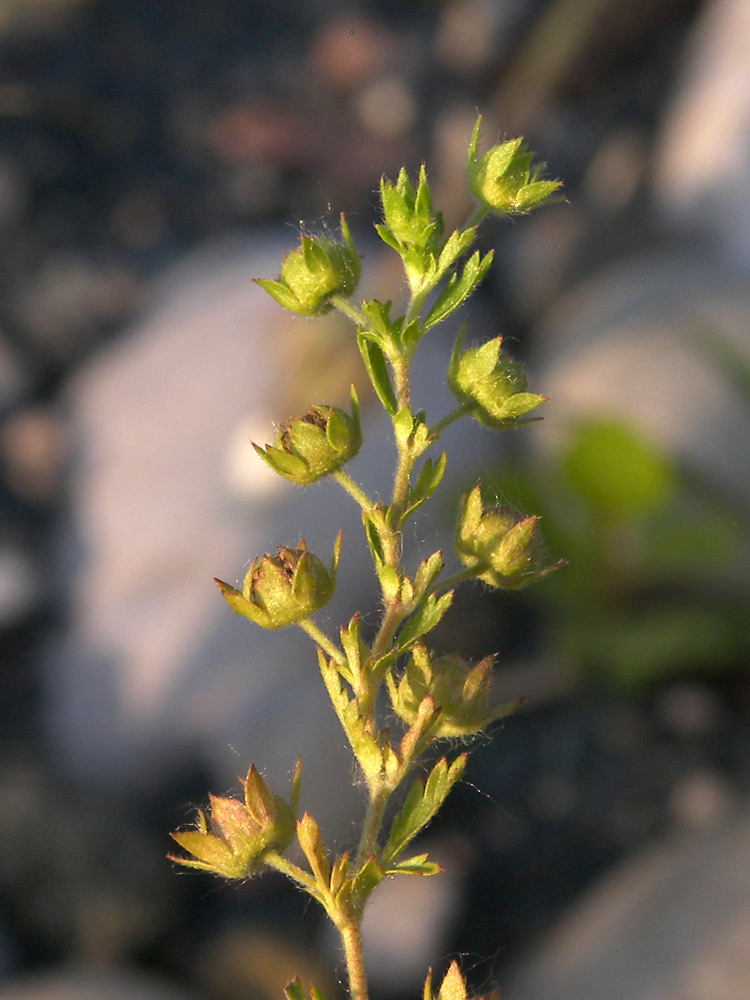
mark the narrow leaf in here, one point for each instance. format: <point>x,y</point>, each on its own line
<point>458,290</point>
<point>421,804</point>
<point>418,865</point>
<point>424,619</point>
<point>377,370</point>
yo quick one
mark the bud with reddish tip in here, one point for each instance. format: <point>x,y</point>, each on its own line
<point>460,691</point>
<point>284,588</point>
<point>240,834</point>
<point>310,447</point>
<point>503,546</point>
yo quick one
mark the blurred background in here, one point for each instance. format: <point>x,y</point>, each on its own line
<point>154,157</point>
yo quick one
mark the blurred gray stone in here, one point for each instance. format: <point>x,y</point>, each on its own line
<point>702,176</point>
<point>643,341</point>
<point>166,492</point>
<point>672,924</point>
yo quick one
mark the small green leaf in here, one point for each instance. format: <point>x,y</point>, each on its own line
<point>403,425</point>
<point>367,878</point>
<point>422,803</point>
<point>390,581</point>
<point>365,748</point>
<point>428,571</point>
<point>458,290</point>
<point>418,865</point>
<point>374,542</point>
<point>427,482</point>
<point>377,370</point>
<point>424,619</point>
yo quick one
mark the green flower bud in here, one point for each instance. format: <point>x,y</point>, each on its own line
<point>494,386</point>
<point>240,834</point>
<point>310,447</point>
<point>312,274</point>
<point>459,690</point>
<point>503,181</point>
<point>284,588</point>
<point>410,220</point>
<point>501,543</point>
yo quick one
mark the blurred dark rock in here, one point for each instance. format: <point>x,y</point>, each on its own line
<point>80,983</point>
<point>672,922</point>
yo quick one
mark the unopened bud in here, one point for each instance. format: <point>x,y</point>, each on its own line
<point>503,546</point>
<point>317,270</point>
<point>494,386</point>
<point>283,588</point>
<point>504,181</point>
<point>240,834</point>
<point>310,447</point>
<point>459,690</point>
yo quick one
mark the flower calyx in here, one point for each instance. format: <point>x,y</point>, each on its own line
<point>317,270</point>
<point>238,836</point>
<point>460,692</point>
<point>491,385</point>
<point>313,446</point>
<point>500,544</point>
<point>410,221</point>
<point>504,181</point>
<point>284,588</point>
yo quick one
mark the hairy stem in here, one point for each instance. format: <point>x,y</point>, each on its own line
<point>354,491</point>
<point>355,961</point>
<point>317,635</point>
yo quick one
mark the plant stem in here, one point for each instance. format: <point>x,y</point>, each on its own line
<point>368,840</point>
<point>355,961</point>
<point>317,635</point>
<point>451,418</point>
<point>354,491</point>
<point>348,310</point>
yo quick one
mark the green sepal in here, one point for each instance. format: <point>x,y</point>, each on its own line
<point>377,371</point>
<point>418,865</point>
<point>424,619</point>
<point>421,804</point>
<point>291,467</point>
